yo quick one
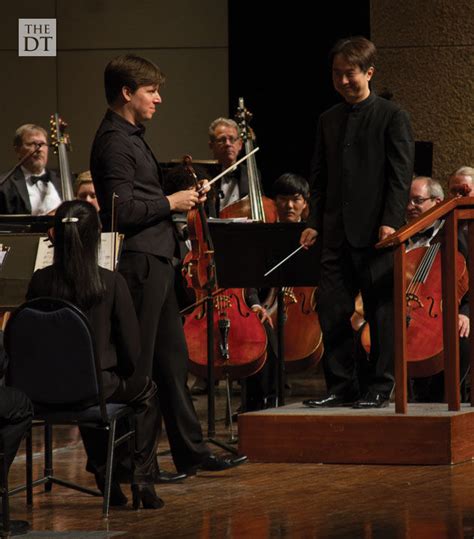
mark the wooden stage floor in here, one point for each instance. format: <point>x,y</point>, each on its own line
<point>260,500</point>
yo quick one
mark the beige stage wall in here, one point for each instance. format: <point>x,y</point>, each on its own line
<point>426,58</point>
<point>188,40</point>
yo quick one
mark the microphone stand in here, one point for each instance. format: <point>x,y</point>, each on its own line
<point>25,158</point>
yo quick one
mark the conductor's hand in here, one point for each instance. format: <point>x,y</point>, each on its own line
<point>183,200</point>
<point>385,232</point>
<point>308,237</point>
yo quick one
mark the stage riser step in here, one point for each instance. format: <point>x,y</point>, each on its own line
<point>427,435</point>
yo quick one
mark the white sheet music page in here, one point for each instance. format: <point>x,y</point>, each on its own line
<point>109,243</point>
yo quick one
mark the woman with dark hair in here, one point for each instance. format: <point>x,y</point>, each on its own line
<point>104,297</point>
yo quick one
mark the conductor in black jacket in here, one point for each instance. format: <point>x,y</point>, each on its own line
<point>127,176</point>
<point>360,176</point>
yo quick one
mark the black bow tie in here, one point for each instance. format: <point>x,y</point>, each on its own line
<point>44,178</point>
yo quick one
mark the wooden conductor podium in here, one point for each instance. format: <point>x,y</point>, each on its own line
<point>417,433</point>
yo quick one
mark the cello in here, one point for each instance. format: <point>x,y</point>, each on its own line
<point>254,205</point>
<point>424,309</point>
<point>240,341</point>
<point>303,337</point>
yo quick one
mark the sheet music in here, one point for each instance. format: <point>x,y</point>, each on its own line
<point>109,242</point>
<point>4,249</point>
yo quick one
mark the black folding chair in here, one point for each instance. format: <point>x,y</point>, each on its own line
<point>52,358</point>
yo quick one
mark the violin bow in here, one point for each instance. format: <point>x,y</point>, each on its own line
<point>228,169</point>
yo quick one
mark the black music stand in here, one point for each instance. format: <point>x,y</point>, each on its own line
<point>16,267</point>
<point>25,223</point>
<point>244,252</point>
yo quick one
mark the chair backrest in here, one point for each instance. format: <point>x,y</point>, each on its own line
<point>50,348</point>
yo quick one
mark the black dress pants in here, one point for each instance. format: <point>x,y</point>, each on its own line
<point>16,412</point>
<point>164,353</point>
<point>344,271</point>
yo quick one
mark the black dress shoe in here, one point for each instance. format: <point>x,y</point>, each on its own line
<point>372,400</point>
<point>117,497</point>
<point>168,477</point>
<point>329,400</point>
<point>212,463</point>
<point>145,495</point>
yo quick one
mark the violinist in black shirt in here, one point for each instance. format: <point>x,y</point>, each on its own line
<point>125,170</point>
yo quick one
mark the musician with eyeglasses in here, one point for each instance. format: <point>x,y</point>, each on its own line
<point>226,145</point>
<point>32,188</point>
<point>425,193</point>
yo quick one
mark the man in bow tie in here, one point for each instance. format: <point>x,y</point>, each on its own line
<point>32,188</point>
<point>226,145</point>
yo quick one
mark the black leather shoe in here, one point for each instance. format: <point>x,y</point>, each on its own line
<point>145,495</point>
<point>329,400</point>
<point>212,463</point>
<point>117,497</point>
<point>372,400</point>
<point>168,477</point>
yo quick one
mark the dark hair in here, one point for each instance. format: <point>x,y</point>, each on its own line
<point>291,184</point>
<point>76,276</point>
<point>131,71</point>
<point>178,178</point>
<point>356,50</point>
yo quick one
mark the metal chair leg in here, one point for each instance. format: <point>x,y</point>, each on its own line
<point>48,456</point>
<point>108,468</point>
<point>29,467</point>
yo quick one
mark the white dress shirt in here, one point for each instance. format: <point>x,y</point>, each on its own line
<point>44,196</point>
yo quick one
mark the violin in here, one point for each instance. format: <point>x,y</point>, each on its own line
<point>62,144</point>
<point>303,337</point>
<point>240,341</point>
<point>254,205</point>
<point>424,310</point>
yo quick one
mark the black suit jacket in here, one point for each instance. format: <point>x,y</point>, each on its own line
<point>243,179</point>
<point>14,198</point>
<point>113,321</point>
<point>361,171</point>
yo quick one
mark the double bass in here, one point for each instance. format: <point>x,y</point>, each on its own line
<point>62,144</point>
<point>240,341</point>
<point>255,205</point>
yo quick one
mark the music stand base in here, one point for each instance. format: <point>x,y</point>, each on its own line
<point>17,527</point>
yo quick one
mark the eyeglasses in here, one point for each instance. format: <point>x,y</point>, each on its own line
<point>223,140</point>
<point>418,201</point>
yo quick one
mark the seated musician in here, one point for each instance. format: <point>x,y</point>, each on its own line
<point>226,144</point>
<point>84,189</point>
<point>32,188</point>
<point>461,182</point>
<point>426,193</point>
<point>105,298</point>
<point>291,194</point>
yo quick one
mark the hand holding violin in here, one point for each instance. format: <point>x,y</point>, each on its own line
<point>186,200</point>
